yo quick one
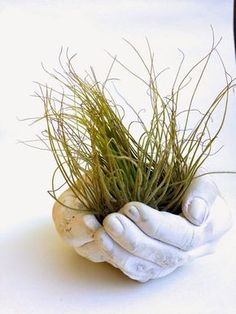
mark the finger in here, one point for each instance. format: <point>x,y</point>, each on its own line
<point>166,227</point>
<point>75,227</point>
<point>132,239</point>
<point>134,267</point>
<point>91,252</point>
<point>199,198</point>
<point>176,230</point>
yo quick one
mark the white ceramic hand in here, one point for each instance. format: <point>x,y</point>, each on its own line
<point>77,228</point>
<point>146,244</point>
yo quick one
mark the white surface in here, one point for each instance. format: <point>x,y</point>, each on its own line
<point>38,273</point>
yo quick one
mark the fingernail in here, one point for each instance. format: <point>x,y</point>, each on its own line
<point>114,225</point>
<point>107,243</point>
<point>133,213</point>
<point>198,210</point>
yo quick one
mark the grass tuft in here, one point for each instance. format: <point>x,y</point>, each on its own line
<point>99,158</point>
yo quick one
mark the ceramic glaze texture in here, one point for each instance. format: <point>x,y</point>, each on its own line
<point>143,242</point>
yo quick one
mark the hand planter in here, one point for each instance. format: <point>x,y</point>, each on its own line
<point>105,166</point>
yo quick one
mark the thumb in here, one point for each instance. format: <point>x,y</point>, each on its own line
<point>199,198</point>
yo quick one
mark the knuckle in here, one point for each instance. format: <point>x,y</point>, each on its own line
<point>98,235</point>
<point>140,270</point>
<point>127,266</point>
<point>157,230</point>
<point>154,272</point>
<point>133,245</point>
<point>193,240</point>
<point>132,266</point>
<point>172,261</point>
<point>128,205</point>
<point>136,270</point>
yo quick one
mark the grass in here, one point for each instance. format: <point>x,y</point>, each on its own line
<point>99,158</point>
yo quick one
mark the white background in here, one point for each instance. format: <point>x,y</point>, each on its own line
<point>38,273</point>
